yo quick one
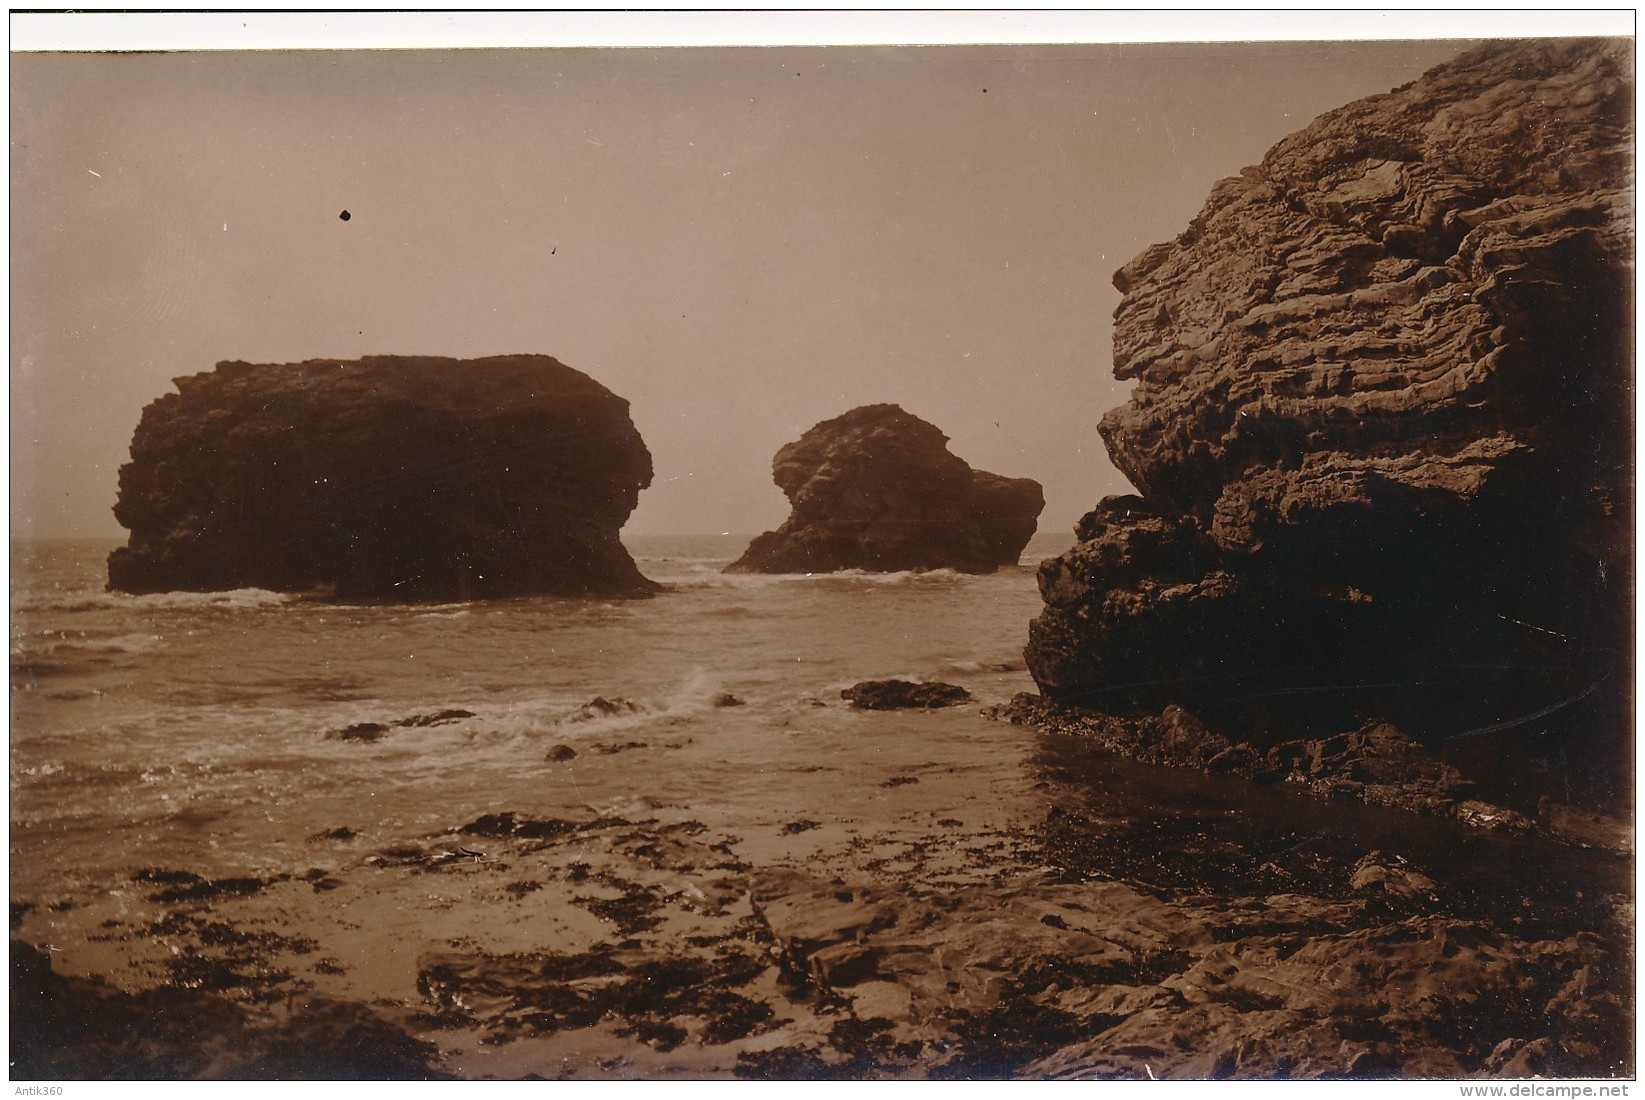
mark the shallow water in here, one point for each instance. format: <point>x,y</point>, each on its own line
<point>201,730</point>
<point>192,771</point>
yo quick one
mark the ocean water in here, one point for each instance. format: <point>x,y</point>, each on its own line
<point>274,799</point>
<point>206,730</point>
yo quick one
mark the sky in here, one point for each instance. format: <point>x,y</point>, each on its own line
<point>739,242</point>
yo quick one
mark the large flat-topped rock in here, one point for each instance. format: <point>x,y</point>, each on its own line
<point>384,478</point>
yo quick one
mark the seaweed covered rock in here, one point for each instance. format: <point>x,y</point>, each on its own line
<point>877,489</point>
<point>904,695</point>
<point>1381,428</point>
<point>388,478</point>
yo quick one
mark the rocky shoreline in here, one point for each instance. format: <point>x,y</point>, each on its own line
<point>1330,772</point>
<point>1376,764</point>
<point>1234,931</point>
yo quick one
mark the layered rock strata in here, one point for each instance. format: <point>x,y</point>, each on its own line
<point>384,478</point>
<point>1381,429</point>
<point>877,489</point>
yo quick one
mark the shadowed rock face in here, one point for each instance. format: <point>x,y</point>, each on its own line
<point>390,477</point>
<point>877,489</point>
<point>81,1029</point>
<point>1381,426</point>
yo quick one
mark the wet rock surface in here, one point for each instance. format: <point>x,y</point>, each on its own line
<point>1382,438</point>
<point>1376,763</point>
<point>904,694</point>
<point>1137,922</point>
<point>80,1029</point>
<point>374,731</point>
<point>384,478</point>
<point>877,489</point>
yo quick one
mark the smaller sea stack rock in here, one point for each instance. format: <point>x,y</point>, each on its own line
<point>877,489</point>
<point>384,478</point>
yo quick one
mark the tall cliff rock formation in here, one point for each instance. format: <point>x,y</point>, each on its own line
<point>1381,427</point>
<point>390,477</point>
<point>877,489</point>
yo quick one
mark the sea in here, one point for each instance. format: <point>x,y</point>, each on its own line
<point>220,731</point>
<point>280,797</point>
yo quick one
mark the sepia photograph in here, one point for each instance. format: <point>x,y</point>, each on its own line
<point>994,550</point>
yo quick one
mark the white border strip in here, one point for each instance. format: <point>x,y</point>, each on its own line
<point>253,30</point>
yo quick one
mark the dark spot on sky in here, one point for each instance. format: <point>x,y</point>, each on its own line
<point>345,215</point>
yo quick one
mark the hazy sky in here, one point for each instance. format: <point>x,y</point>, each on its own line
<point>740,242</point>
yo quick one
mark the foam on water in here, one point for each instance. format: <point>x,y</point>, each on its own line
<point>125,643</point>
<point>138,720</point>
<point>239,599</point>
<point>845,578</point>
<point>971,665</point>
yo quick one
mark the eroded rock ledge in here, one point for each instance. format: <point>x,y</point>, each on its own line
<point>877,489</point>
<point>1381,432</point>
<point>385,478</point>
